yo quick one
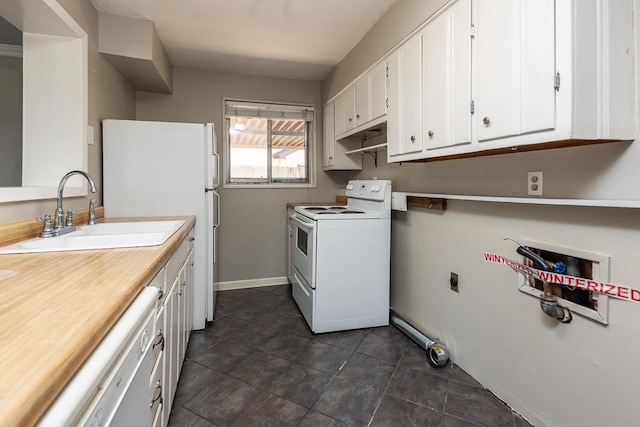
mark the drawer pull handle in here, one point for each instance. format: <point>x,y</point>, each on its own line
<point>158,395</point>
<point>413,138</point>
<point>159,341</point>
<point>486,121</point>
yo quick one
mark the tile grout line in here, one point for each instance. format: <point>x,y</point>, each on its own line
<point>384,392</point>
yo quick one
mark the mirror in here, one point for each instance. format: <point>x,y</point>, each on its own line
<point>10,105</point>
<point>54,100</point>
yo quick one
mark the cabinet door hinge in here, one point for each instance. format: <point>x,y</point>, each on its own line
<point>472,31</point>
<point>387,71</point>
<point>472,107</point>
<point>556,83</point>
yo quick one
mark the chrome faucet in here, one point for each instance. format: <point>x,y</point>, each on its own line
<point>62,227</point>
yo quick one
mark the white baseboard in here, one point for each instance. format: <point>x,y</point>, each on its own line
<point>252,283</point>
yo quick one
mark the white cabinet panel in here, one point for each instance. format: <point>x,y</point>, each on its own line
<point>378,90</point>
<point>363,102</point>
<point>446,77</point>
<point>515,53</point>
<point>333,157</point>
<point>410,95</point>
<point>404,90</point>
<point>345,111</point>
<point>328,136</point>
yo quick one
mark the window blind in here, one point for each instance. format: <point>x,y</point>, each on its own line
<point>268,111</point>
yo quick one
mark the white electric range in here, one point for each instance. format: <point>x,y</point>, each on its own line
<point>341,259</point>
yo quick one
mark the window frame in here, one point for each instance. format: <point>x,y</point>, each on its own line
<point>310,148</point>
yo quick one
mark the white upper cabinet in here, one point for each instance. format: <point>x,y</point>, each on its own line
<point>446,73</point>
<point>328,136</point>
<point>363,104</point>
<point>354,117</point>
<point>345,111</point>
<point>378,91</point>
<point>496,76</point>
<point>371,95</point>
<point>404,116</point>
<point>515,52</point>
<point>333,157</point>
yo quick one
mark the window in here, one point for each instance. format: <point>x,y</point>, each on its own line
<point>268,144</point>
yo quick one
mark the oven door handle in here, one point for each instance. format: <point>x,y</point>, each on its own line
<point>299,221</point>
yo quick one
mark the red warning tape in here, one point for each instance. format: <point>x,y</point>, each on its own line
<point>616,291</point>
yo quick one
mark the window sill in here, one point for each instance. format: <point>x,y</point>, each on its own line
<point>269,186</point>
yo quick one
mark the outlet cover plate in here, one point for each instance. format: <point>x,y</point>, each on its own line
<point>534,183</point>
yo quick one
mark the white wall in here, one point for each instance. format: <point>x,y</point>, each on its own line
<point>579,374</point>
<point>110,96</point>
<point>253,231</point>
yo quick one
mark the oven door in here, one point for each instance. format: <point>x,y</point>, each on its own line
<point>303,251</point>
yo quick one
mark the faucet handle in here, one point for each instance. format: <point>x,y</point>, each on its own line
<point>69,222</point>
<point>47,230</point>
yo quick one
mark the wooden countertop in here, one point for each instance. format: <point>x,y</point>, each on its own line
<point>56,307</point>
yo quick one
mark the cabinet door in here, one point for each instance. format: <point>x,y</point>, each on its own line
<point>328,136</point>
<point>515,50</point>
<point>362,99</point>
<point>345,109</point>
<point>169,352</point>
<point>378,90</point>
<point>394,134</point>
<point>404,89</point>
<point>411,95</point>
<point>446,48</point>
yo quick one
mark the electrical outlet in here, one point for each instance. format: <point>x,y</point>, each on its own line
<point>453,281</point>
<point>534,183</point>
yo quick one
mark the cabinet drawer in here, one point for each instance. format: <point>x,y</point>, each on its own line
<point>159,282</point>
<point>305,297</point>
<point>177,259</point>
<point>159,340</point>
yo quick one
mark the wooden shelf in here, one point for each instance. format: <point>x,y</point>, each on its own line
<point>401,198</point>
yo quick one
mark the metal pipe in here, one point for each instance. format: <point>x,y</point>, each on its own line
<point>437,353</point>
<point>548,301</point>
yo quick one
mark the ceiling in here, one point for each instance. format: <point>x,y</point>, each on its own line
<point>298,39</point>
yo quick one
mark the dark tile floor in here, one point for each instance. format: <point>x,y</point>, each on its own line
<point>258,364</point>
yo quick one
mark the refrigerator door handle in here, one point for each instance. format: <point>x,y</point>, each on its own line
<point>218,209</point>
<point>215,226</point>
<point>216,171</point>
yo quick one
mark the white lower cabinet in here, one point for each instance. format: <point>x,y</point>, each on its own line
<point>177,320</point>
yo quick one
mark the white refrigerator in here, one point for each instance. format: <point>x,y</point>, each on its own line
<point>167,169</point>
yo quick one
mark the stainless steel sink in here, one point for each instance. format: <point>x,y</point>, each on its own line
<point>101,236</point>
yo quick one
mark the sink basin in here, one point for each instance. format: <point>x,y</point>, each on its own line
<point>101,236</point>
